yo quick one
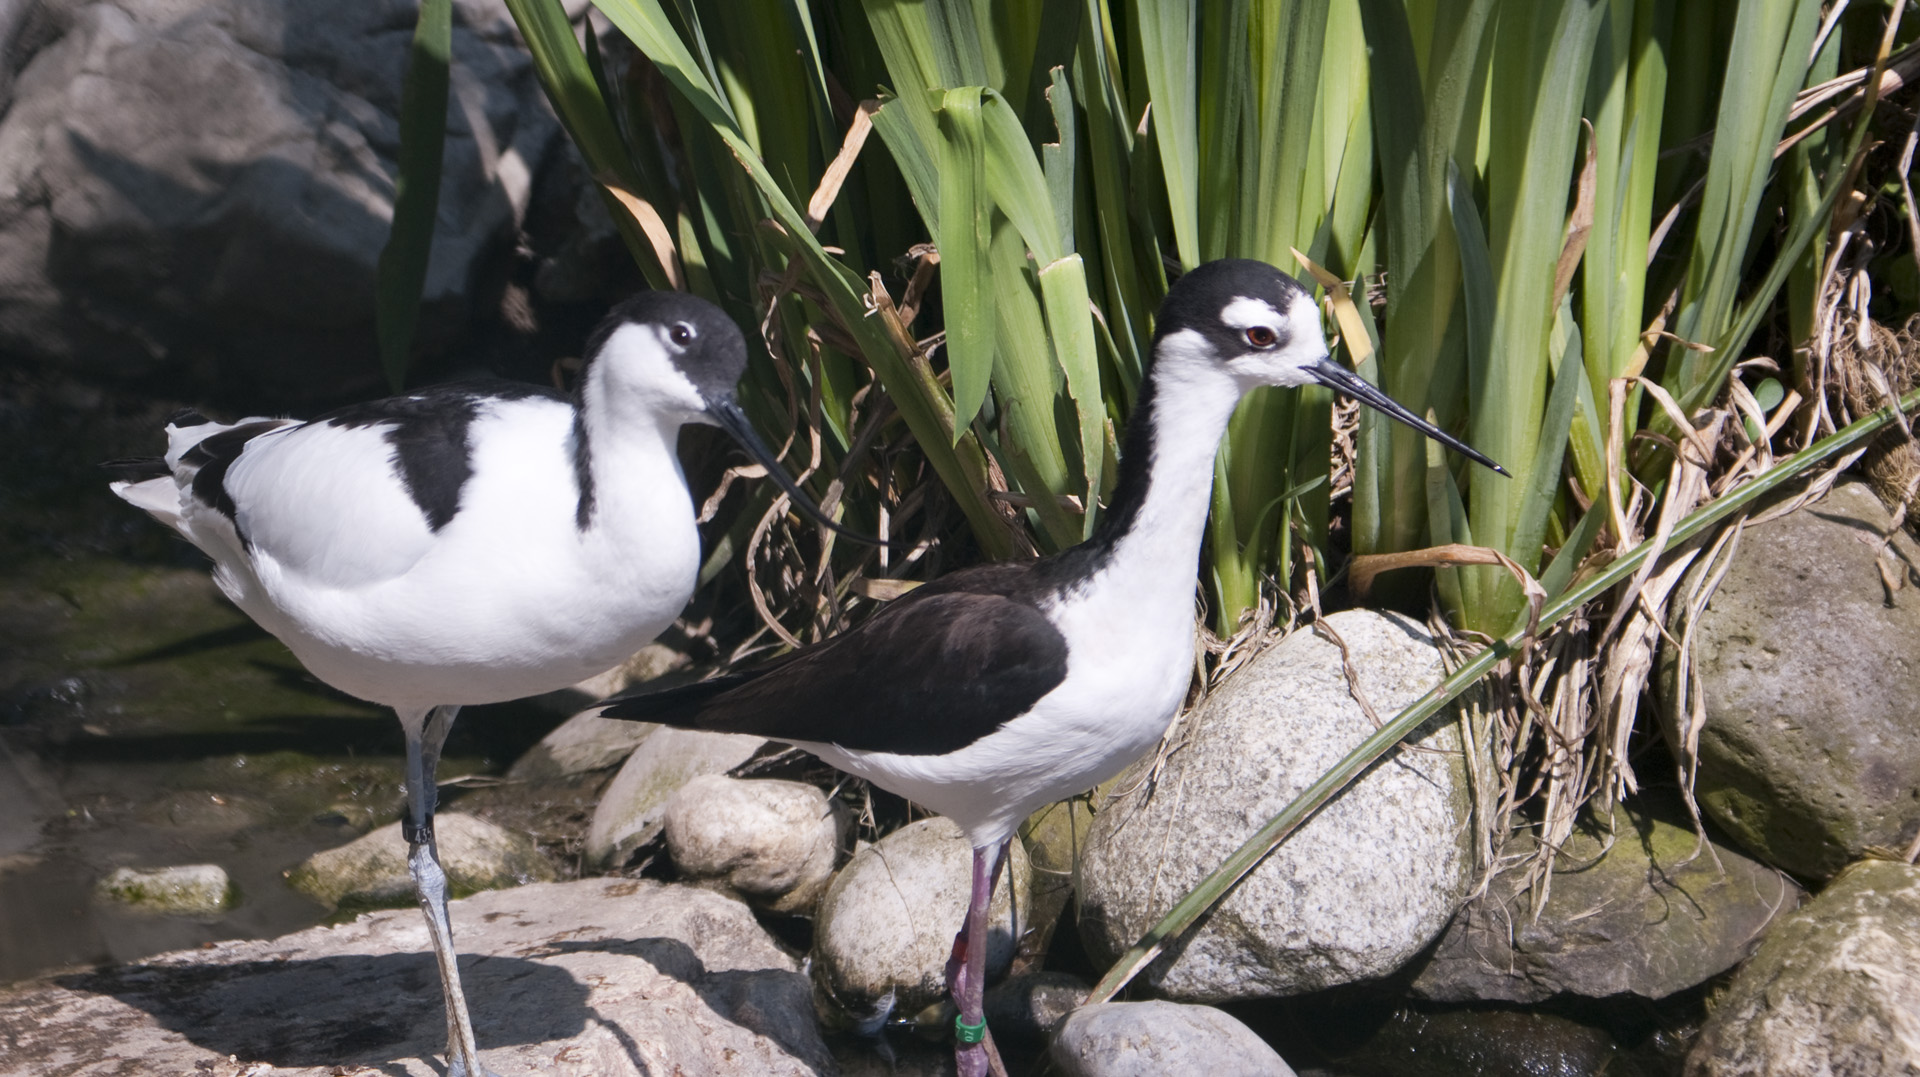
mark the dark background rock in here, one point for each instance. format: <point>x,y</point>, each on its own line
<point>195,194</point>
<point>1811,676</point>
<point>1644,919</point>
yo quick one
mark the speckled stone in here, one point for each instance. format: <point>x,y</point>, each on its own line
<point>1833,990</point>
<point>1361,888</point>
<point>372,870</point>
<point>772,842</point>
<point>886,925</point>
<point>1153,1039</point>
<point>183,890</point>
<point>634,806</point>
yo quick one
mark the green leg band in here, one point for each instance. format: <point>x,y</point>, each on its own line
<point>967,1033</point>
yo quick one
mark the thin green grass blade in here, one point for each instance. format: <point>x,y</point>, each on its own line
<point>1169,31</point>
<point>402,273</point>
<point>1530,523</point>
<point>1766,64</point>
<point>1540,69</point>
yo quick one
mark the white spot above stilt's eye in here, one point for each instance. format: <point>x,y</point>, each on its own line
<point>1245,312</point>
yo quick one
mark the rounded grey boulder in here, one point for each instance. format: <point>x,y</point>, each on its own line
<point>886,925</point>
<point>1356,892</point>
<point>1153,1039</point>
<point>1810,673</point>
<point>772,842</point>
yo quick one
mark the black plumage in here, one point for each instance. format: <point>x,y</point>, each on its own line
<point>936,670</point>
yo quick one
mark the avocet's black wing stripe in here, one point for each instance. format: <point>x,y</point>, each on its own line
<point>210,458</point>
<point>929,675</point>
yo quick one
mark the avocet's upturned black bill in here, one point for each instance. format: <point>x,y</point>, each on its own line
<point>995,690</point>
<point>466,543</point>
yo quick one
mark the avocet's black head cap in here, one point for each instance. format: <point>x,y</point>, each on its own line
<point>703,343</point>
<point>707,349</point>
<point>1264,328</point>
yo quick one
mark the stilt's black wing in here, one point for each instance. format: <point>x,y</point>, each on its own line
<point>933,672</point>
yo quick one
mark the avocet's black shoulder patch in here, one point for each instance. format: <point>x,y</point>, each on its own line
<point>429,432</point>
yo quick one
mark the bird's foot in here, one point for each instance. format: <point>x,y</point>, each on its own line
<point>457,1067</point>
<point>980,1059</point>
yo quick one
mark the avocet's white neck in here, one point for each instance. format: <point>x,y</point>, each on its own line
<point>633,484</point>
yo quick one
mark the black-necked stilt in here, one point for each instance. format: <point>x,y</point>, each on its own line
<point>469,543</point>
<point>990,692</point>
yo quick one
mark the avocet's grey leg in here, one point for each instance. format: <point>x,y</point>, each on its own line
<point>974,1054</point>
<point>426,733</point>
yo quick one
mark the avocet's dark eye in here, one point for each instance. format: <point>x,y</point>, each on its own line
<point>681,334</point>
<point>1261,336</point>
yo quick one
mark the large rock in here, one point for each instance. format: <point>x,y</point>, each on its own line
<point>372,870</point>
<point>192,185</point>
<point>886,925</point>
<point>634,805</point>
<point>1648,917</point>
<point>772,842</point>
<point>596,978</point>
<point>1150,1039</point>
<point>1811,677</point>
<point>1834,989</point>
<point>1362,887</point>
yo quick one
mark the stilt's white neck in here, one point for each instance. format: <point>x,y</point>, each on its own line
<point>1157,547</point>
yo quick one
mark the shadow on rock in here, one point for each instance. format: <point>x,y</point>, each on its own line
<point>355,1009</point>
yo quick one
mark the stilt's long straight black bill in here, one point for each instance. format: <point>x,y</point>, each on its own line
<point>728,416</point>
<point>1341,380</point>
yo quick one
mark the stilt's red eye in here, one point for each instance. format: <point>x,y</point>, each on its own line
<point>1261,336</point>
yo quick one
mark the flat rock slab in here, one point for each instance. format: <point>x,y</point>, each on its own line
<point>602,977</point>
<point>1648,915</point>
